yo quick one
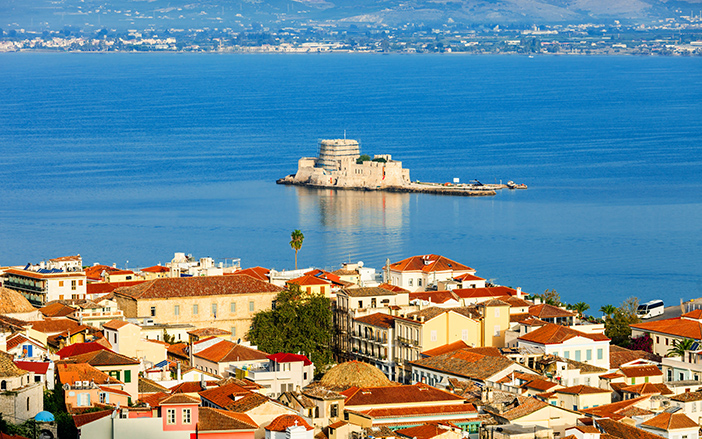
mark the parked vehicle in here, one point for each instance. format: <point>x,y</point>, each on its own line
<point>650,309</point>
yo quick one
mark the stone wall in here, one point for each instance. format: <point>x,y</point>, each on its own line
<point>21,404</point>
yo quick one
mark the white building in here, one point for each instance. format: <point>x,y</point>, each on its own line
<point>568,343</point>
<point>283,373</point>
<point>419,272</point>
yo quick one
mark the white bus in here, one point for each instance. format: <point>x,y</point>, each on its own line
<point>650,309</point>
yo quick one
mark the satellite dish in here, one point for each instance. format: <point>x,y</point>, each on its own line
<point>360,263</point>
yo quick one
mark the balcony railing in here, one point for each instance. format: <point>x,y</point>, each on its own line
<point>24,287</point>
<point>407,341</point>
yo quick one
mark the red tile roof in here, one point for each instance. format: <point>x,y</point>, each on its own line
<point>429,264</point>
<point>192,387</point>
<point>540,384</point>
<point>107,287</point>
<point>153,399</point>
<point>477,293</point>
<point>226,351</point>
<point>197,286</point>
<point>308,280</point>
<point>396,394</point>
<point>647,389</point>
<point>619,356</point>
<point>180,398</point>
<point>115,324</point>
<point>114,390</point>
<point>58,326</point>
<point>19,339</point>
<point>208,332</point>
<point>670,421</point>
<point>581,390</point>
<point>451,347</point>
<point>624,431</point>
<point>178,350</point>
<point>156,269</point>
<point>87,418</point>
<point>38,367</point>
<point>526,407</point>
<point>424,410</point>
<point>467,276</point>
<point>546,311</point>
<point>380,320</point>
<point>283,357</point>
<point>57,309</point>
<point>557,334</point>
<point>104,357</point>
<point>433,296</point>
<point>393,288</point>
<point>259,273</point>
<point>641,371</point>
<point>211,419</point>
<point>282,422</point>
<point>614,409</point>
<point>679,327</point>
<point>70,373</point>
<point>79,348</point>
<point>426,431</point>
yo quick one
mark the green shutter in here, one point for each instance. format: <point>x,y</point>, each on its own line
<point>127,376</point>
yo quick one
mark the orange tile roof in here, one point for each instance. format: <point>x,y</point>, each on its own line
<point>619,355</point>
<point>156,269</point>
<point>540,384</point>
<point>259,273</point>
<point>208,332</point>
<point>380,320</point>
<point>108,287</point>
<point>153,399</point>
<point>87,418</point>
<point>197,286</point>
<point>35,275</point>
<point>451,347</point>
<point>114,390</point>
<point>282,422</point>
<point>192,387</point>
<point>180,398</point>
<point>670,421</point>
<point>624,431</point>
<point>70,373</point>
<point>308,280</point>
<point>115,324</point>
<point>103,357</point>
<point>526,407</point>
<point>676,326</point>
<point>687,397</point>
<point>433,296</point>
<point>423,410</point>
<point>557,334</point>
<point>178,350</point>
<point>211,419</point>
<point>224,396</point>
<point>695,314</point>
<point>476,293</point>
<point>393,288</point>
<point>648,389</point>
<point>613,409</point>
<point>58,326</point>
<point>546,311</point>
<point>467,276</point>
<point>426,431</point>
<point>57,309</point>
<point>641,371</point>
<point>396,394</point>
<point>581,390</point>
<point>18,339</point>
<point>331,277</point>
<point>226,351</point>
<point>429,264</point>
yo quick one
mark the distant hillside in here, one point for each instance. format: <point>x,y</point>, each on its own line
<point>235,14</point>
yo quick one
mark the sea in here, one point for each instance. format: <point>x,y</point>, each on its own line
<point>129,158</point>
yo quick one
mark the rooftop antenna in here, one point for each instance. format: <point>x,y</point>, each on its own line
<point>344,134</point>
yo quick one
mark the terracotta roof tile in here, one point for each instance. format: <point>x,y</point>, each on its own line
<point>623,431</point>
<point>477,293</point>
<point>526,407</point>
<point>57,326</point>
<point>433,296</point>
<point>282,422</point>
<point>156,269</point>
<point>380,320</point>
<point>57,309</point>
<point>393,288</point>
<point>38,367</point>
<point>8,367</point>
<point>149,386</point>
<point>180,398</point>
<point>79,348</point>
<point>259,273</point>
<point>648,389</point>
<point>466,363</point>
<point>87,418</point>
<point>695,314</point>
<point>429,264</point>
<point>641,371</point>
<point>670,421</point>
<point>211,419</point>
<point>679,327</point>
<point>447,348</point>
<point>367,292</point>
<point>619,355</point>
<point>226,351</point>
<point>115,324</point>
<point>70,373</point>
<point>224,396</point>
<point>687,397</point>
<point>208,332</point>
<point>547,311</point>
<point>613,409</point>
<point>104,357</point>
<point>423,410</point>
<point>197,286</point>
<point>581,390</point>
<point>395,394</point>
<point>557,334</point>
<point>426,431</point>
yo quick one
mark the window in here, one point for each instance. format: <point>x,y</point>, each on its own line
<point>410,282</point>
<point>127,376</point>
<point>334,410</point>
<point>176,310</point>
<point>104,398</point>
<point>497,330</point>
<point>600,354</point>
<point>360,304</point>
<point>232,307</point>
<point>419,282</point>
<point>196,309</point>
<point>153,311</point>
<point>73,285</point>
<point>566,354</point>
<point>464,334</point>
<point>186,416</point>
<point>588,354</point>
<point>497,312</point>
<point>233,330</point>
<point>251,306</point>
<point>28,405</point>
<point>374,303</point>
<point>577,355</point>
<point>60,283</point>
<point>658,339</point>
<point>80,282</point>
<point>666,341</point>
<point>170,416</point>
<point>214,309</point>
<point>433,336</point>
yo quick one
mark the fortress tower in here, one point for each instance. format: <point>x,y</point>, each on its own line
<point>333,151</point>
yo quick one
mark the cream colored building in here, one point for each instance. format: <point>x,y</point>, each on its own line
<point>126,339</point>
<point>41,288</point>
<point>225,302</point>
<point>416,273</point>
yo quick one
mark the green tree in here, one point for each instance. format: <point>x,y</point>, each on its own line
<point>298,322</point>
<point>363,158</point>
<point>296,238</point>
<point>168,338</point>
<point>55,402</point>
<point>679,348</point>
<point>580,307</point>
<point>608,310</point>
<point>618,326</point>
<point>551,297</point>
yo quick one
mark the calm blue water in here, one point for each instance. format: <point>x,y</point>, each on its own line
<point>126,157</point>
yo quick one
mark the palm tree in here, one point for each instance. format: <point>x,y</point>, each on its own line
<point>608,310</point>
<point>679,348</point>
<point>296,238</point>
<point>580,307</point>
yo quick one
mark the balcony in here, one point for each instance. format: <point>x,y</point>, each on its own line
<point>407,341</point>
<point>23,287</point>
<point>264,373</point>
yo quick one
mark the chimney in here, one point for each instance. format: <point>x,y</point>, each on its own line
<point>202,381</point>
<point>421,319</point>
<point>179,376</point>
<point>519,292</point>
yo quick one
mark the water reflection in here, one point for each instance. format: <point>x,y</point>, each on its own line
<point>355,223</point>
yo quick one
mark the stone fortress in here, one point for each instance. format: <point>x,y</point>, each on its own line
<point>338,166</point>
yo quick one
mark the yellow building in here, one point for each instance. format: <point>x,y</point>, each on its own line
<point>224,302</point>
<point>312,285</point>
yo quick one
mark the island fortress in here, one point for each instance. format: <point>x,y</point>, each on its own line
<point>340,165</point>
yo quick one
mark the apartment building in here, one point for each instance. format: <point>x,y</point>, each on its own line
<point>41,287</point>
